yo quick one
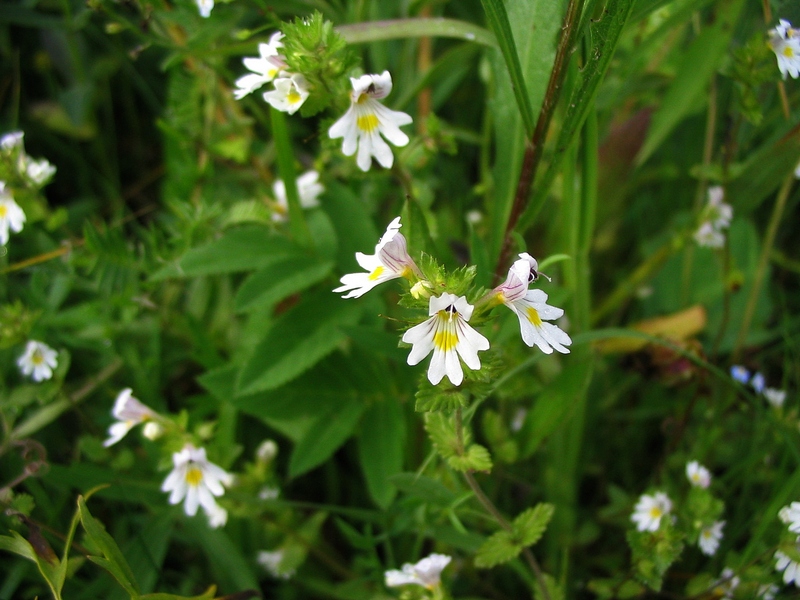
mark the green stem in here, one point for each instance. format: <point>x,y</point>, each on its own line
<point>766,250</point>
<point>373,31</point>
<point>285,156</point>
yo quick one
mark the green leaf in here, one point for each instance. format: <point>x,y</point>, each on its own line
<point>229,567</point>
<point>41,418</point>
<point>297,340</point>
<point>285,158</point>
<point>499,548</point>
<point>381,443</point>
<point>359,33</point>
<point>48,569</point>
<point>653,553</point>
<point>415,228</point>
<point>443,435</point>
<point>425,488</point>
<point>279,280</point>
<point>114,562</point>
<point>554,591</point>
<point>325,436</point>
<point>530,526</point>
<point>699,64</point>
<point>476,458</point>
<point>435,398</point>
<point>209,594</point>
<point>240,249</point>
<point>353,225</point>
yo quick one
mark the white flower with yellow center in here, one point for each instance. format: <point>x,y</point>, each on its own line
<point>308,188</point>
<point>698,475</point>
<point>11,215</point>
<point>38,361</point>
<point>710,538</point>
<point>367,119</point>
<point>426,572</point>
<point>129,412</point>
<point>785,43</point>
<point>448,336</point>
<point>198,481</point>
<point>531,308</point>
<point>289,94</point>
<point>649,510</point>
<point>390,261</point>
<point>265,67</point>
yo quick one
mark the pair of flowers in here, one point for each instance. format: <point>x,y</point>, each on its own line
<point>447,333</point>
<point>716,218</point>
<point>362,125</point>
<point>785,43</point>
<point>776,397</point>
<point>650,509</point>
<point>193,479</point>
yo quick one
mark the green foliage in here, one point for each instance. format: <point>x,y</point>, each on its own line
<point>526,530</point>
<point>653,553</point>
<point>530,525</point>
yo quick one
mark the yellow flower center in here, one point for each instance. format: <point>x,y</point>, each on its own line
<point>293,97</point>
<point>362,98</point>
<point>367,123</point>
<point>3,211</point>
<point>194,476</point>
<point>445,340</point>
<point>655,513</point>
<point>533,317</point>
<point>37,358</point>
<point>376,273</point>
<point>788,52</point>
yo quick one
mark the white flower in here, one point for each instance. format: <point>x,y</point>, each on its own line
<point>11,215</point>
<point>308,188</point>
<point>272,563</point>
<point>698,475</point>
<point>519,419</point>
<point>531,307</point>
<point>719,213</point>
<point>38,361</point>
<point>39,171</point>
<point>12,140</point>
<point>205,7</point>
<point>767,591</point>
<point>152,430</point>
<point>198,480</point>
<point>790,568</point>
<point>449,336</point>
<point>367,119</point>
<point>708,236</point>
<point>289,94</point>
<point>775,396</point>
<point>265,67</point>
<point>216,515</point>
<point>758,383</point>
<point>648,511</point>
<point>426,572</point>
<point>267,450</point>
<point>390,261</point>
<point>740,374</point>
<point>129,412</point>
<point>710,537</point>
<point>785,43</point>
<point>727,583</point>
<point>791,516</point>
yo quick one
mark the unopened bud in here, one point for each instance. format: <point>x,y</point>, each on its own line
<point>267,451</point>
<point>421,289</point>
<point>152,430</point>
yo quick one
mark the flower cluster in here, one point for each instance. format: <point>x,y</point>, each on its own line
<point>447,333</point>
<point>290,89</point>
<point>38,361</point>
<point>775,396</point>
<point>716,217</point>
<point>785,43</point>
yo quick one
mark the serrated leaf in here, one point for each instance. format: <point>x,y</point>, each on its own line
<point>499,548</point>
<point>431,398</point>
<point>297,340</point>
<point>442,433</point>
<point>279,280</point>
<point>653,553</point>
<point>381,442</point>
<point>476,458</point>
<point>530,525</point>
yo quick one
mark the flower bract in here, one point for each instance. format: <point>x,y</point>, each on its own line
<point>129,412</point>
<point>649,510</point>
<point>367,120</point>
<point>390,261</point>
<point>446,334</point>
<point>38,361</point>
<point>426,572</point>
<point>198,481</point>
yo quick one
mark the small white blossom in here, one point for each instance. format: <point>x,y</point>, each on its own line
<point>448,336</point>
<point>152,430</point>
<point>39,171</point>
<point>740,374</point>
<point>775,396</point>
<point>519,419</point>
<point>719,213</point>
<point>426,572</point>
<point>791,516</point>
<point>272,563</point>
<point>216,515</point>
<point>267,450</point>
<point>390,261</point>
<point>758,383</point>
<point>265,67</point>
<point>767,591</point>
<point>198,481</point>
<point>11,215</point>
<point>698,475</point>
<point>205,7</point>
<point>649,510</point>
<point>727,583</point>
<point>710,537</point>
<point>531,307</point>
<point>38,361</point>
<point>308,188</point>
<point>289,94</point>
<point>708,236</point>
<point>367,119</point>
<point>12,140</point>
<point>785,43</point>
<point>790,568</point>
<point>129,412</point>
